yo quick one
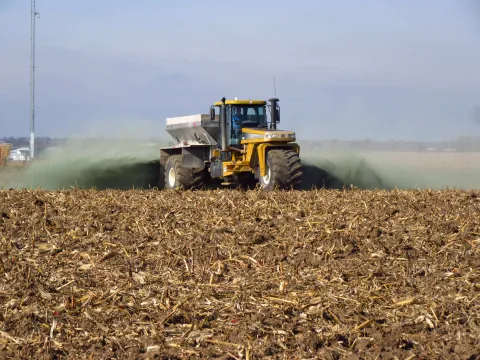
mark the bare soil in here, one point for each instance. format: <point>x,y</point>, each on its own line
<point>239,275</point>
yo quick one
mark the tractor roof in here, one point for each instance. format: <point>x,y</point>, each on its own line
<point>241,102</point>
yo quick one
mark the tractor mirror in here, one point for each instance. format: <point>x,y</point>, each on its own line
<point>278,114</point>
<point>212,113</point>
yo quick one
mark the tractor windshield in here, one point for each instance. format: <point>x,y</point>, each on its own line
<point>249,115</point>
<point>245,116</point>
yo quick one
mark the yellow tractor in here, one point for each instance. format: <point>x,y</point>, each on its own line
<point>234,145</point>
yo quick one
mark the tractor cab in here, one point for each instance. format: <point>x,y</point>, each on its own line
<point>242,114</point>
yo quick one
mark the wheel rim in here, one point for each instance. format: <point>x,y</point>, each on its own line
<point>266,178</point>
<point>171,177</point>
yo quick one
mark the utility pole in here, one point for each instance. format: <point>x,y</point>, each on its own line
<point>34,14</point>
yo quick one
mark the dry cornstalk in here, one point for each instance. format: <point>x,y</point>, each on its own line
<point>5,150</point>
<point>316,274</point>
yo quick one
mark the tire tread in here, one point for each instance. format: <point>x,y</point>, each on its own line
<point>188,179</point>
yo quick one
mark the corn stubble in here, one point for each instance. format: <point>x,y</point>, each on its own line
<point>240,275</point>
<point>4,153</point>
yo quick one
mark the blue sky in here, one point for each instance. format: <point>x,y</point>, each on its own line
<point>345,69</point>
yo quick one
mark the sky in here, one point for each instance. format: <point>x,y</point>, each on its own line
<point>347,69</point>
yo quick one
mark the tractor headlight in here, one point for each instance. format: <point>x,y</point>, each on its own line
<point>279,135</point>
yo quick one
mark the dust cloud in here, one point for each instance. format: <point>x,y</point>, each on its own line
<point>334,171</point>
<point>123,159</point>
<point>126,163</point>
<point>101,164</point>
<point>341,168</point>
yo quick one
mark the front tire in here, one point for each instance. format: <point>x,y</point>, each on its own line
<point>178,177</point>
<point>283,170</point>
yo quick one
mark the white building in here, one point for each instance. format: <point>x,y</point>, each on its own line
<point>20,154</point>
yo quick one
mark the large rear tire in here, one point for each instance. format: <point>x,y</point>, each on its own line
<point>283,170</point>
<point>178,177</point>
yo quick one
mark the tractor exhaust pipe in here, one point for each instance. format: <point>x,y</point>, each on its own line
<point>273,113</point>
<point>223,125</point>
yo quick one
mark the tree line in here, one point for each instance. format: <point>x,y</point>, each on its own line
<point>460,144</point>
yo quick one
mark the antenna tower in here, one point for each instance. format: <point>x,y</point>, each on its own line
<point>34,15</point>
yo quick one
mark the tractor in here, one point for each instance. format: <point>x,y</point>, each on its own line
<point>234,145</point>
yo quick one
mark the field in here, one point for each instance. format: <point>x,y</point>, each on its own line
<point>327,274</point>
